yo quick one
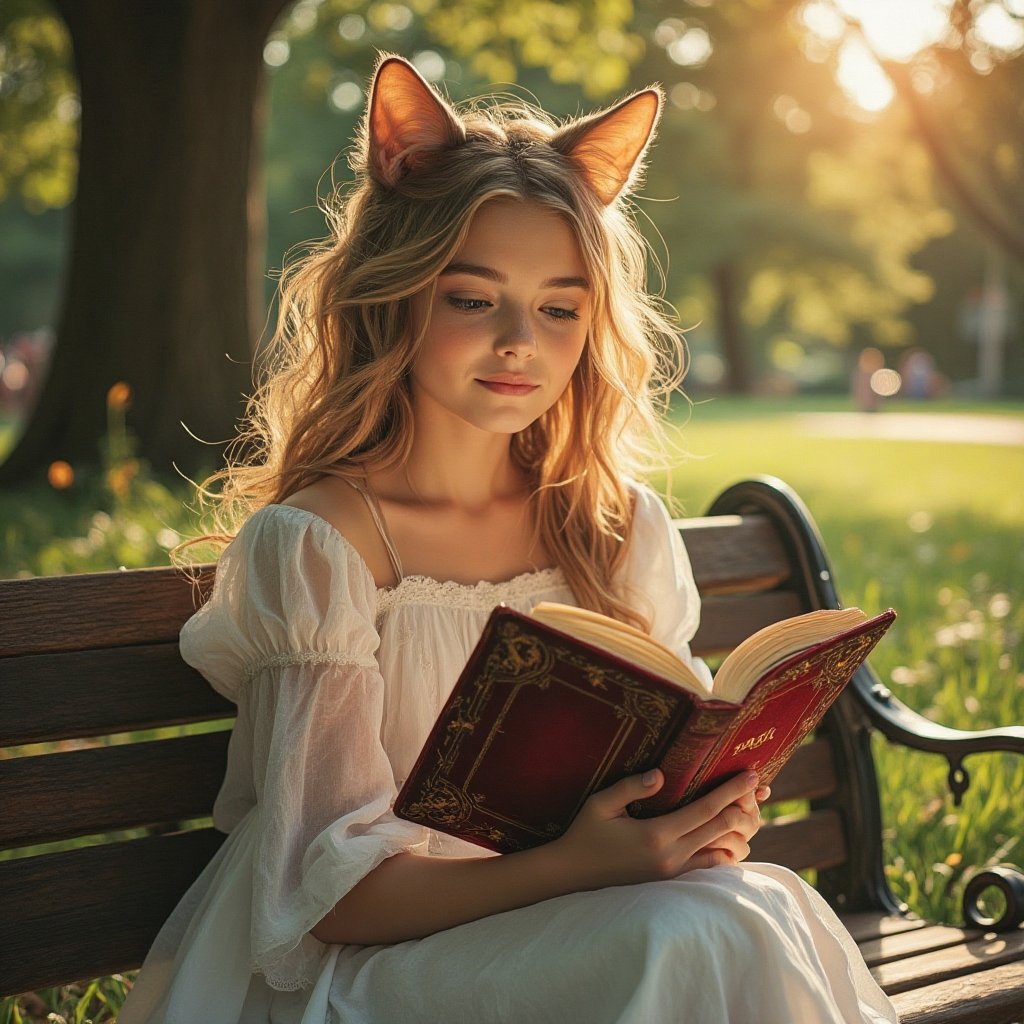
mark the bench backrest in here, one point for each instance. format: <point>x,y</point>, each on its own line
<point>87,660</point>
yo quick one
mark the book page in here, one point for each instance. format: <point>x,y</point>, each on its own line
<point>620,639</point>
<point>753,657</point>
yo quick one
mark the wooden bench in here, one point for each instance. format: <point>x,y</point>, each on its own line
<point>96,656</point>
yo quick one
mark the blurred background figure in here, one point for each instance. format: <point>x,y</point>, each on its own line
<point>865,398</point>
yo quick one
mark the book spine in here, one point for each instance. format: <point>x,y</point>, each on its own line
<point>684,757</point>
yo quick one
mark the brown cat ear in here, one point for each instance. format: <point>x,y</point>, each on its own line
<point>406,121</point>
<point>608,147</point>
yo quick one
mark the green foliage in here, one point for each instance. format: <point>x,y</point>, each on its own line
<point>86,1002</point>
<point>928,528</point>
<point>39,107</point>
<point>117,516</point>
<point>933,530</point>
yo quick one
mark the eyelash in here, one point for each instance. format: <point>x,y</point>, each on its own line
<point>471,305</point>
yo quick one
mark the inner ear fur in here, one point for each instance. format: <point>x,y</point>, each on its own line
<point>406,121</point>
<point>608,147</point>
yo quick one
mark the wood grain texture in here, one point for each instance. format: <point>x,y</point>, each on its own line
<point>87,792</point>
<point>992,997</point>
<point>95,693</point>
<point>872,924</point>
<point>913,943</point>
<point>95,911</point>
<point>726,620</point>
<point>798,843</point>
<point>808,775</point>
<point>734,554</point>
<point>106,609</point>
<point>980,954</point>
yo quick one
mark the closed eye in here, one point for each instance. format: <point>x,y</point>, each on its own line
<point>466,305</point>
<point>558,313</point>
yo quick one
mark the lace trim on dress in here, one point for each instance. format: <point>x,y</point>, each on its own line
<point>481,596</point>
<point>307,658</point>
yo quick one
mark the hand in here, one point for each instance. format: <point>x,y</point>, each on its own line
<point>749,803</point>
<point>605,846</point>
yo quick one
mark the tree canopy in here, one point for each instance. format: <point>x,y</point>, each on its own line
<point>792,205</point>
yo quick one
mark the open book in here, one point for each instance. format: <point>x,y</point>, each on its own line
<point>558,704</point>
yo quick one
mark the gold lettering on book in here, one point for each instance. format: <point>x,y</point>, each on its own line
<point>754,741</point>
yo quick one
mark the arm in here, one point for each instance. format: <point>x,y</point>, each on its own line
<point>410,896</point>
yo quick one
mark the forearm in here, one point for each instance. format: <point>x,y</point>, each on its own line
<point>409,896</point>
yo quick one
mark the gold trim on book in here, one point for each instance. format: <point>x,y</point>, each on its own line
<point>519,659</point>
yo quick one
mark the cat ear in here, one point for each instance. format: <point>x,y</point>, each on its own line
<point>608,147</point>
<point>406,121</point>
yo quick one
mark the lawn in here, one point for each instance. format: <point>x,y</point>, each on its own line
<point>933,529</point>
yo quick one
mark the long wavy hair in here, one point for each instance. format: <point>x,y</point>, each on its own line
<point>333,396</point>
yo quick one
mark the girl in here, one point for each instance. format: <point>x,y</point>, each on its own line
<point>464,386</point>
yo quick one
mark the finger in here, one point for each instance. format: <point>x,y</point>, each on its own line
<point>614,800</point>
<point>735,847</point>
<point>712,804</point>
<point>762,793</point>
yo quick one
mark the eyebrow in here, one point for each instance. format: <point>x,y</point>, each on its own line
<point>490,274</point>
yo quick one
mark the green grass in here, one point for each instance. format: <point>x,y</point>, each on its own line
<point>933,529</point>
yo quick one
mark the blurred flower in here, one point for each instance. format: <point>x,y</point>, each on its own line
<point>60,475</point>
<point>119,396</point>
<point>999,606</point>
<point>119,477</point>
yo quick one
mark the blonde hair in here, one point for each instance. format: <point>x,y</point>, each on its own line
<point>334,395</point>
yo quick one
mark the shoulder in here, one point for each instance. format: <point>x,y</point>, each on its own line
<point>344,509</point>
<point>649,510</point>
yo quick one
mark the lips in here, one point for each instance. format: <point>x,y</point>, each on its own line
<point>511,384</point>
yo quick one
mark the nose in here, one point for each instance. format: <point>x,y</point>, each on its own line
<point>516,335</point>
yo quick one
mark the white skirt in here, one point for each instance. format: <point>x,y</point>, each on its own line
<point>726,945</point>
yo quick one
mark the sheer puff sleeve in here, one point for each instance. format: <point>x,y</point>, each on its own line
<point>658,579</point>
<point>288,634</point>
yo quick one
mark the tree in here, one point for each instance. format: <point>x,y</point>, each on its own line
<point>162,288</point>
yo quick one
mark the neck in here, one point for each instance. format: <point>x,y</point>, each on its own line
<point>469,471</point>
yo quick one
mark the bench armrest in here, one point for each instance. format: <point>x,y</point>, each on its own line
<point>898,723</point>
<point>770,497</point>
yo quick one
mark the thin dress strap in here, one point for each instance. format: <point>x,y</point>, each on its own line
<point>378,518</point>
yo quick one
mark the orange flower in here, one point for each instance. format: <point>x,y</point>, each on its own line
<point>60,475</point>
<point>119,396</point>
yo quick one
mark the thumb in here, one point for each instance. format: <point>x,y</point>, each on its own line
<point>614,800</point>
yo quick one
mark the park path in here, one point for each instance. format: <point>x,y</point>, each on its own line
<point>955,428</point>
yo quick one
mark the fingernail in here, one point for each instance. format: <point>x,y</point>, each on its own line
<point>750,778</point>
<point>649,778</point>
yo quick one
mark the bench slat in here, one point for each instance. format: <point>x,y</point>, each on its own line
<point>105,609</point>
<point>979,954</point>
<point>86,792</point>
<point>808,775</point>
<point>734,554</point>
<point>92,912</point>
<point>992,997</point>
<point>814,841</point>
<point>726,620</point>
<point>871,924</point>
<point>912,943</point>
<point>92,693</point>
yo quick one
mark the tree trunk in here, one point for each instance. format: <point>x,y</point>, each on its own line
<point>730,330</point>
<point>163,287</point>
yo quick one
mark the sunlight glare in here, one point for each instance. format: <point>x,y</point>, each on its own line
<point>898,30</point>
<point>997,28</point>
<point>862,78</point>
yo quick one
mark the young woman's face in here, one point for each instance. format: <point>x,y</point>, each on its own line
<point>508,321</point>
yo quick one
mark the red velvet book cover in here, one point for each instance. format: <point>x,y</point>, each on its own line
<point>539,720</point>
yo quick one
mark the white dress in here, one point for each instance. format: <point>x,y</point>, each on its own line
<point>337,684</point>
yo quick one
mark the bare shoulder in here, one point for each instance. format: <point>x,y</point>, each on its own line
<point>344,508</point>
